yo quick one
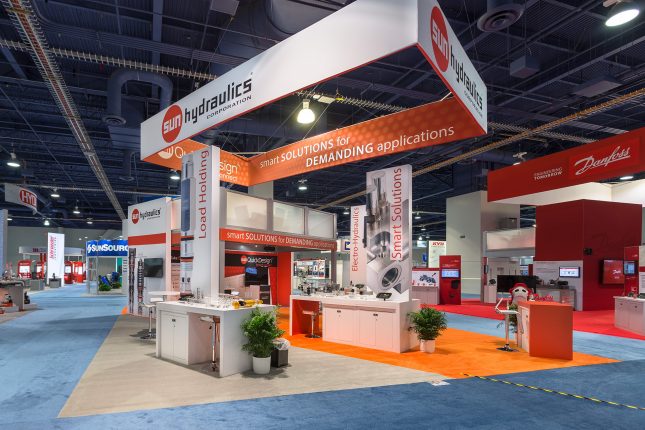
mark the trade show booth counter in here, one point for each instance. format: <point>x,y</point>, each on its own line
<point>546,329</point>
<point>185,338</point>
<point>629,314</point>
<point>355,320</point>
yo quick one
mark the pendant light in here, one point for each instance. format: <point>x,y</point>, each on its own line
<point>622,12</point>
<point>13,161</point>
<point>306,115</point>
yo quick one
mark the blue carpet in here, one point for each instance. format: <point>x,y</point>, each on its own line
<point>618,348</point>
<point>463,404</point>
<point>44,353</point>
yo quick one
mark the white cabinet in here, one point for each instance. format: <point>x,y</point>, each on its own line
<point>338,324</point>
<point>629,314</point>
<point>376,329</point>
<point>174,335</point>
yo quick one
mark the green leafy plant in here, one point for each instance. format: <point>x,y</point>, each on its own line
<point>428,323</point>
<point>116,285</point>
<point>104,287</point>
<point>261,329</point>
<point>512,319</point>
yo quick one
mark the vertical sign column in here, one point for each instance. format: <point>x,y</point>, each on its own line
<point>357,257</point>
<point>388,231</point>
<point>200,221</point>
<point>55,255</point>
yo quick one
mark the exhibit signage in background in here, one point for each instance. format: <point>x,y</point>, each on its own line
<point>22,196</point>
<point>357,255</point>
<point>641,270</point>
<point>200,221</point>
<point>55,255</point>
<point>388,228</point>
<point>241,236</point>
<point>609,158</point>
<point>384,28</point>
<point>436,248</point>
<point>106,248</point>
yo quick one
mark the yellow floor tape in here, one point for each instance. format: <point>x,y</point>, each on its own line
<point>562,393</point>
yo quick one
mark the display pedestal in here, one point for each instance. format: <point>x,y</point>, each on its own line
<point>546,329</point>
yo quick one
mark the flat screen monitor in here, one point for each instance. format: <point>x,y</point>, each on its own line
<point>153,268</point>
<point>612,272</point>
<point>630,268</point>
<point>254,275</point>
<point>68,269</point>
<point>569,272</point>
<point>24,269</point>
<point>450,273</point>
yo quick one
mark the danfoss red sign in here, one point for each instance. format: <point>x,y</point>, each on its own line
<point>605,159</point>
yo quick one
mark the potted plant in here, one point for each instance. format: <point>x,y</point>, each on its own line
<point>428,324</point>
<point>261,329</point>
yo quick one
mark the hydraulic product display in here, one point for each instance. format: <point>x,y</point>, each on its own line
<point>187,225</point>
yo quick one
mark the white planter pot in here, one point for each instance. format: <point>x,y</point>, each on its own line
<point>261,366</point>
<point>427,346</point>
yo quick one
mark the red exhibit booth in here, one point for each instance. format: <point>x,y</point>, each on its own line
<point>450,279</point>
<point>24,269</point>
<point>41,266</point>
<point>69,276</point>
<point>78,271</point>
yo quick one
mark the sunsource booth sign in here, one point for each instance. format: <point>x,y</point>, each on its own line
<point>356,35</point>
<point>107,248</point>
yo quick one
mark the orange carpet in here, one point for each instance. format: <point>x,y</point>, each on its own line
<point>457,352</point>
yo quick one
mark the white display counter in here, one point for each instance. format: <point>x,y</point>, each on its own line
<point>428,295</point>
<point>361,321</point>
<point>183,338</point>
<point>629,314</point>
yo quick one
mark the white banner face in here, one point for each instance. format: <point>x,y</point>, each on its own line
<point>357,255</point>
<point>21,196</point>
<point>436,249</point>
<point>441,47</point>
<point>147,218</point>
<point>55,255</point>
<point>388,229</point>
<point>358,34</point>
<point>200,221</point>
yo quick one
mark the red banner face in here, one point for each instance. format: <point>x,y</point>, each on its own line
<point>604,159</point>
<point>241,236</point>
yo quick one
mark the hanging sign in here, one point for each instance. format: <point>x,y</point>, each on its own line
<point>385,27</point>
<point>19,195</point>
<point>613,157</point>
<point>106,248</point>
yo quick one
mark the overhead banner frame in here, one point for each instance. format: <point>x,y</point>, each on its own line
<point>356,35</point>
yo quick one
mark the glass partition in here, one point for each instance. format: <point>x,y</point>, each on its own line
<point>288,218</point>
<point>320,224</point>
<point>246,211</point>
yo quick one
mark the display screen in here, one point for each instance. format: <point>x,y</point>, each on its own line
<point>450,273</point>
<point>612,272</point>
<point>630,268</point>
<point>254,275</point>
<point>23,269</point>
<point>153,267</point>
<point>569,272</point>
<point>68,269</point>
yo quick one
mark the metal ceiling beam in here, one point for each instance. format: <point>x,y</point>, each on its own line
<point>23,18</point>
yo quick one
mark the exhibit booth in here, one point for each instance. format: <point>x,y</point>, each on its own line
<point>228,239</point>
<point>103,263</point>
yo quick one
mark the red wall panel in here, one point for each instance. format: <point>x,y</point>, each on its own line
<point>284,278</point>
<point>559,234</point>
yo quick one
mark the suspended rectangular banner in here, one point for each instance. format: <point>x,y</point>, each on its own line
<point>242,236</point>
<point>356,35</point>
<point>388,231</point>
<point>357,255</point>
<point>106,248</point>
<point>55,255</point>
<point>609,158</point>
<point>19,195</point>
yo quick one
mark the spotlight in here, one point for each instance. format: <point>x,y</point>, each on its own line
<point>534,225</point>
<point>626,178</point>
<point>90,222</point>
<point>621,13</point>
<point>346,211</point>
<point>9,219</point>
<point>13,161</point>
<point>306,115</point>
<point>417,216</point>
<point>174,176</point>
<point>302,185</point>
<point>76,211</point>
<point>46,223</point>
<point>423,229</point>
<point>420,237</point>
<point>55,194</point>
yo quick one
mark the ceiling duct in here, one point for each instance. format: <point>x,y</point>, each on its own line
<point>119,78</point>
<point>596,86</point>
<point>126,172</point>
<point>500,14</point>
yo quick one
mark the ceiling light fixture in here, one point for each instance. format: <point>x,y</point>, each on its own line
<point>423,229</point>
<point>9,219</point>
<point>76,211</point>
<point>302,185</point>
<point>55,194</point>
<point>420,237</point>
<point>46,223</point>
<point>13,161</point>
<point>346,211</point>
<point>306,115</point>
<point>621,12</point>
<point>626,178</point>
<point>89,221</point>
<point>174,176</point>
<point>417,216</point>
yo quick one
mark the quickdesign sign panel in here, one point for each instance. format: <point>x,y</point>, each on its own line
<point>55,255</point>
<point>385,27</point>
<point>613,157</point>
<point>442,49</point>
<point>357,256</point>
<point>388,229</point>
<point>200,220</point>
<point>21,196</point>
